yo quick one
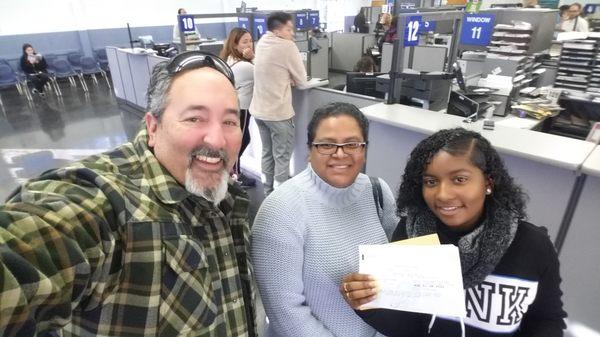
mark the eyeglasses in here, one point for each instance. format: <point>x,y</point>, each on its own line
<point>348,148</point>
<point>197,59</point>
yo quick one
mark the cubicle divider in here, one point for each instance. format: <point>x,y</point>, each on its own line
<point>345,51</point>
<point>580,254</point>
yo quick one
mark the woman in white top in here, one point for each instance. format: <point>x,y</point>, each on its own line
<point>572,20</point>
<point>238,52</point>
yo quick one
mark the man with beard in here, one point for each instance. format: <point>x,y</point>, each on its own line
<point>148,239</point>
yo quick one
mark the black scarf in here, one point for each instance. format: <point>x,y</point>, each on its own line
<point>481,249</point>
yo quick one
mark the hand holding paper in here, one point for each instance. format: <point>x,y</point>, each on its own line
<point>425,279</point>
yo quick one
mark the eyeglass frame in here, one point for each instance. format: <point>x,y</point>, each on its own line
<point>196,59</point>
<point>362,146</point>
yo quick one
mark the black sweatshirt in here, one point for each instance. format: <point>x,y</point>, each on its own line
<point>521,297</point>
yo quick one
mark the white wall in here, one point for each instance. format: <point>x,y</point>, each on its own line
<point>43,16</point>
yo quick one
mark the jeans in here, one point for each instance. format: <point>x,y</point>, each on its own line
<point>244,123</point>
<point>277,145</point>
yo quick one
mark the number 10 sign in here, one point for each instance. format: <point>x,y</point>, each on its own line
<point>477,29</point>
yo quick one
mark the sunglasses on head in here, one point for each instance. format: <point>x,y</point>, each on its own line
<point>198,59</point>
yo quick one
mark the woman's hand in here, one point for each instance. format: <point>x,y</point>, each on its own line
<point>248,54</point>
<point>358,289</point>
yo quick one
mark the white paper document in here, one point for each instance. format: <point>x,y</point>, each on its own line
<point>425,279</point>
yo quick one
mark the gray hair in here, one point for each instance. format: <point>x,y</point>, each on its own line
<point>158,89</point>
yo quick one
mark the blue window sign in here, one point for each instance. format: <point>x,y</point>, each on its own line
<point>260,26</point>
<point>477,29</point>
<point>186,23</point>
<point>412,29</point>
<point>243,23</point>
<point>313,17</point>
<point>590,8</point>
<point>301,21</point>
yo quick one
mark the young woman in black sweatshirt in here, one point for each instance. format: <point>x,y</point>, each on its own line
<point>455,184</point>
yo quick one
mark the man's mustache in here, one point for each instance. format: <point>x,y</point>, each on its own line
<point>210,152</point>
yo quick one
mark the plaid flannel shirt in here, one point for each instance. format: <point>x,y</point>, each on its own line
<point>114,246</point>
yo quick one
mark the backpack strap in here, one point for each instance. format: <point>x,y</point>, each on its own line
<point>377,196</point>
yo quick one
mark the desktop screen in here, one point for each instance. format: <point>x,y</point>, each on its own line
<point>363,83</point>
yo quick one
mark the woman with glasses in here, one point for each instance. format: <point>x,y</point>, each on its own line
<point>238,52</point>
<point>306,234</point>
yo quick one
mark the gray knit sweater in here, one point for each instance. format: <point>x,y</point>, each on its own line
<point>304,240</point>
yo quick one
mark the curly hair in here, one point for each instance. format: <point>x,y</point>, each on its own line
<point>507,194</point>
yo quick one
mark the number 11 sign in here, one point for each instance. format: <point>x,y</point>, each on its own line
<point>412,30</point>
<point>477,29</point>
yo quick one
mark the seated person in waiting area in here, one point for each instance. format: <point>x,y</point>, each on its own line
<point>34,65</point>
<point>306,233</point>
<point>149,239</point>
<point>455,184</point>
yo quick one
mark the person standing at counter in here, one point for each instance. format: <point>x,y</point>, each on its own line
<point>390,35</point>
<point>277,66</point>
<point>360,22</point>
<point>195,35</point>
<point>573,22</point>
<point>34,65</point>
<point>456,185</point>
<point>238,52</point>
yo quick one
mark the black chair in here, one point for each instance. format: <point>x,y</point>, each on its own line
<point>102,59</point>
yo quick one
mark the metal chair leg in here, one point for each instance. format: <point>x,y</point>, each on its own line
<point>25,89</point>
<point>106,79</point>
<point>83,84</point>
<point>57,87</point>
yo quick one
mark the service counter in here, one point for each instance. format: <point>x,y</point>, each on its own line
<point>130,73</point>
<point>545,165</point>
<point>580,253</point>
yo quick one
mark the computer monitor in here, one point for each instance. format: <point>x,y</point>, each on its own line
<point>146,41</point>
<point>363,83</point>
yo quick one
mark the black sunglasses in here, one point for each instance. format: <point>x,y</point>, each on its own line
<point>198,59</point>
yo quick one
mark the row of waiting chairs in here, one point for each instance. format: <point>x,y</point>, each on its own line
<point>75,66</point>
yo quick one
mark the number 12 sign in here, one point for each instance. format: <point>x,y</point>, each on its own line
<point>411,32</point>
<point>477,29</point>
